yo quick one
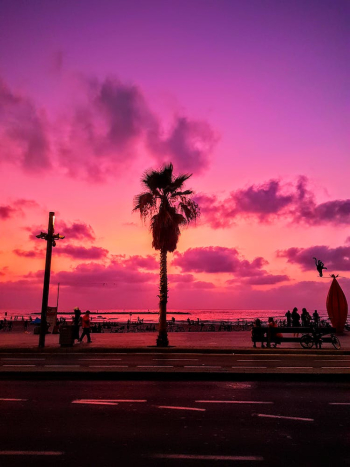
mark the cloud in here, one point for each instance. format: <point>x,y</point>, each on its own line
<point>29,254</point>
<point>135,262</point>
<point>80,252</point>
<point>97,275</point>
<point>115,120</point>
<point>188,145</point>
<point>76,230</point>
<point>24,132</point>
<point>333,258</point>
<point>217,260</point>
<point>18,206</point>
<point>6,212</point>
<point>265,279</point>
<point>273,200</point>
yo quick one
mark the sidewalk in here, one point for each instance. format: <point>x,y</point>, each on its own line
<point>209,342</point>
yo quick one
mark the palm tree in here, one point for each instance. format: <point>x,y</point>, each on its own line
<point>168,208</point>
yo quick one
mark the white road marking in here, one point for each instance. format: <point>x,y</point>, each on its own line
<point>180,408</point>
<point>60,366</point>
<point>249,367</point>
<point>22,359</point>
<point>233,402</point>
<point>335,367</point>
<point>104,359</point>
<point>294,367</point>
<point>257,361</point>
<point>339,403</point>
<point>178,359</point>
<point>10,399</point>
<point>31,453</point>
<point>155,366</point>
<point>335,360</point>
<point>205,458</point>
<point>18,365</point>
<point>285,418</point>
<point>109,400</point>
<point>94,403</point>
<point>201,366</point>
<point>108,366</point>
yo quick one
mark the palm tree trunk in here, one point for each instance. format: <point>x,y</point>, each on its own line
<point>162,340</point>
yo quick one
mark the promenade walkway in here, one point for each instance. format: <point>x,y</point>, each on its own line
<point>203,341</point>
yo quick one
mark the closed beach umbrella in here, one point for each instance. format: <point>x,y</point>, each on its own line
<point>337,306</point>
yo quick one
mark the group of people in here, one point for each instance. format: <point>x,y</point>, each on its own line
<point>294,318</point>
<point>85,323</point>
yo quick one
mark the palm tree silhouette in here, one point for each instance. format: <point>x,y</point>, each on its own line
<point>168,208</point>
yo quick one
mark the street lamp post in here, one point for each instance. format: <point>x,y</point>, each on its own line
<point>50,242</point>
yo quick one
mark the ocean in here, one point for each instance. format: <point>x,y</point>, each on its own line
<point>151,316</point>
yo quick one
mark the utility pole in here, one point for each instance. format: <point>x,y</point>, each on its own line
<point>50,242</point>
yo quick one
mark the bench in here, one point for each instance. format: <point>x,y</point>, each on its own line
<point>267,334</point>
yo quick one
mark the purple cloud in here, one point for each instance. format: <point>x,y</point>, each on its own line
<point>135,262</point>
<point>29,254</point>
<point>188,146</point>
<point>333,258</point>
<point>80,252</point>
<point>217,260</point>
<point>23,134</point>
<point>266,279</point>
<point>96,275</point>
<point>271,200</point>
<point>6,212</point>
<point>76,230</point>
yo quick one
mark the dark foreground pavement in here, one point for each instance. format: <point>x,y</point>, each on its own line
<point>157,423</point>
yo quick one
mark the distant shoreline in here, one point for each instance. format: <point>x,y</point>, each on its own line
<point>120,313</point>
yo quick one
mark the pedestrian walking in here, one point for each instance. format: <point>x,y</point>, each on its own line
<point>86,325</point>
<point>76,323</point>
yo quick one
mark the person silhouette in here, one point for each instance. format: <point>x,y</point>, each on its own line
<point>319,266</point>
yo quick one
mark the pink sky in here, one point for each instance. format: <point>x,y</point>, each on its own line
<point>251,97</point>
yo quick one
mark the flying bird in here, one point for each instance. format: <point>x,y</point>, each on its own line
<point>319,266</point>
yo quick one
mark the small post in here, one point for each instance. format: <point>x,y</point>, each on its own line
<point>50,242</point>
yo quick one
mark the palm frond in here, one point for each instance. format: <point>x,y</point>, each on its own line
<point>178,182</point>
<point>145,203</point>
<point>190,209</point>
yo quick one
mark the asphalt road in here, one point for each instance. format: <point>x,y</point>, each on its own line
<point>157,423</point>
<point>308,362</point>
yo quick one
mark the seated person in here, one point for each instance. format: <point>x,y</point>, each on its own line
<point>274,336</point>
<point>257,332</point>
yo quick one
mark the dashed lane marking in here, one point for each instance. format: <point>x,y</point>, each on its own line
<point>108,400</point>
<point>180,408</point>
<point>285,418</point>
<point>294,367</point>
<point>257,361</point>
<point>11,399</point>
<point>207,457</point>
<point>31,453</point>
<point>22,359</point>
<point>177,359</point>
<point>108,366</point>
<point>233,402</point>
<point>339,403</point>
<point>103,359</point>
<point>202,366</point>
<point>155,366</point>
<point>250,367</point>
<point>61,366</point>
<point>335,367</point>
<point>18,365</point>
<point>95,403</point>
